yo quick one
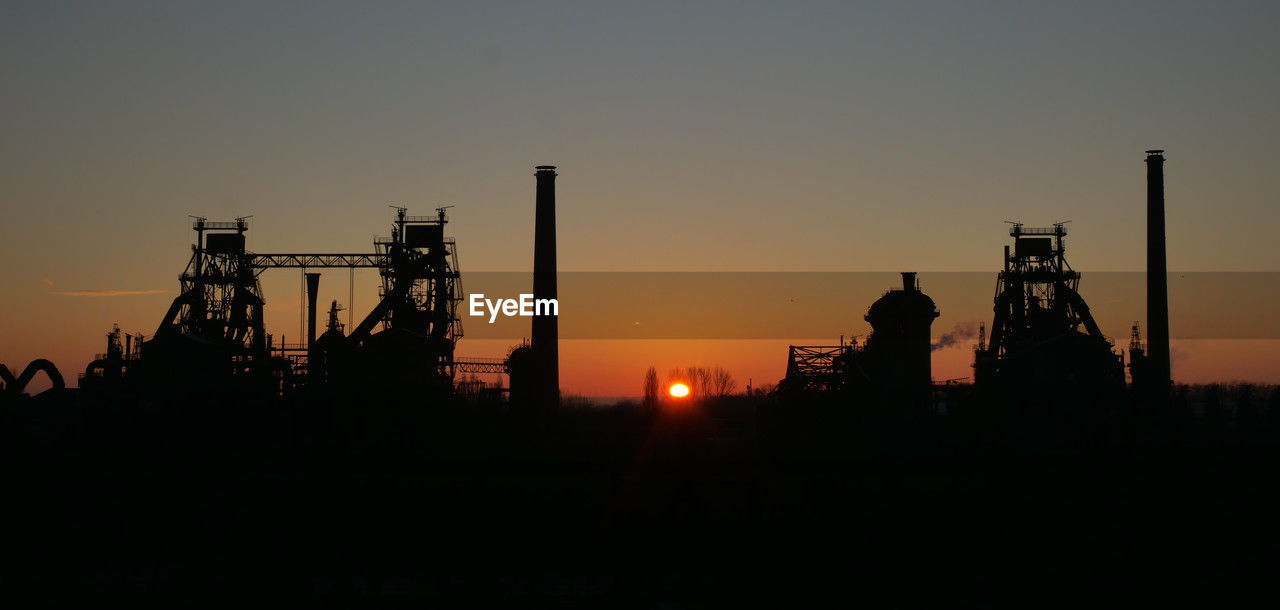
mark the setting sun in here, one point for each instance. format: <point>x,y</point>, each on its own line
<point>679,390</point>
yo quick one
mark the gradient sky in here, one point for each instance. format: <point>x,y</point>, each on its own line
<point>736,136</point>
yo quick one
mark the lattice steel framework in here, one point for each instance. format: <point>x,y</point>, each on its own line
<point>816,367</point>
<point>221,299</point>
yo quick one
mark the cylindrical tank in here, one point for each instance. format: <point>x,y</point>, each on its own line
<point>900,346</point>
<point>522,366</point>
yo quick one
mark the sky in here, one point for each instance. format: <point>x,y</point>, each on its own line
<point>689,136</point>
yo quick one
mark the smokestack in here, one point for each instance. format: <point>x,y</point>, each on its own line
<point>1157,280</point>
<point>313,287</point>
<point>545,342</point>
<point>909,281</point>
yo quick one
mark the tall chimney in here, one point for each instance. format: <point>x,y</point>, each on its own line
<point>1157,281</point>
<point>545,342</point>
<point>313,287</point>
<point>909,281</point>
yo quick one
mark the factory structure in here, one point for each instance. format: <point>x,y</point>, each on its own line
<point>213,335</point>
<point>1042,340</point>
<point>1044,343</point>
<point>1043,335</point>
<point>891,369</point>
<point>215,458</point>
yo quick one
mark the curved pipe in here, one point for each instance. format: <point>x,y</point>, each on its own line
<point>16,386</point>
<point>1004,304</point>
<point>1082,310</point>
<point>190,297</point>
<point>361,332</point>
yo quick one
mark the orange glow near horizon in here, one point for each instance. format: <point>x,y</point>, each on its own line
<point>615,368</point>
<point>679,390</point>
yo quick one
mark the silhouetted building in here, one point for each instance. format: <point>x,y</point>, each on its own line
<point>108,370</point>
<point>893,369</point>
<point>898,353</point>
<point>331,359</point>
<point>1043,336</point>
<point>417,315</point>
<point>213,334</point>
<point>1139,364</point>
<point>522,368</point>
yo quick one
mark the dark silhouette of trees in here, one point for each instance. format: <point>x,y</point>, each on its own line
<point>651,387</point>
<point>722,382</point>
<point>705,381</point>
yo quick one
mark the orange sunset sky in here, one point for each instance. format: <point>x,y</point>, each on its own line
<point>743,137</point>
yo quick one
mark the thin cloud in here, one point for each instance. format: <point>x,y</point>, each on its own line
<point>106,293</point>
<point>285,305</point>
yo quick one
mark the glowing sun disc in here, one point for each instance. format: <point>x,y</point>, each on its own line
<point>679,390</point>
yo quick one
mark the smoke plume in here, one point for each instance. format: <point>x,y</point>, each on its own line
<point>962,331</point>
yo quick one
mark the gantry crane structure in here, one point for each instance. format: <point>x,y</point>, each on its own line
<point>220,305</point>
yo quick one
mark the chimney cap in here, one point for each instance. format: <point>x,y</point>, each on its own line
<point>544,167</point>
<point>909,281</point>
<point>1155,151</point>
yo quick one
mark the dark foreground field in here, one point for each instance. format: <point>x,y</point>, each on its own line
<point>732,506</point>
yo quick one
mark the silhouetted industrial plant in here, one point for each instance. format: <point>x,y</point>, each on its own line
<point>1043,338</point>
<point>893,369</point>
<point>213,336</point>
<point>325,466</point>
